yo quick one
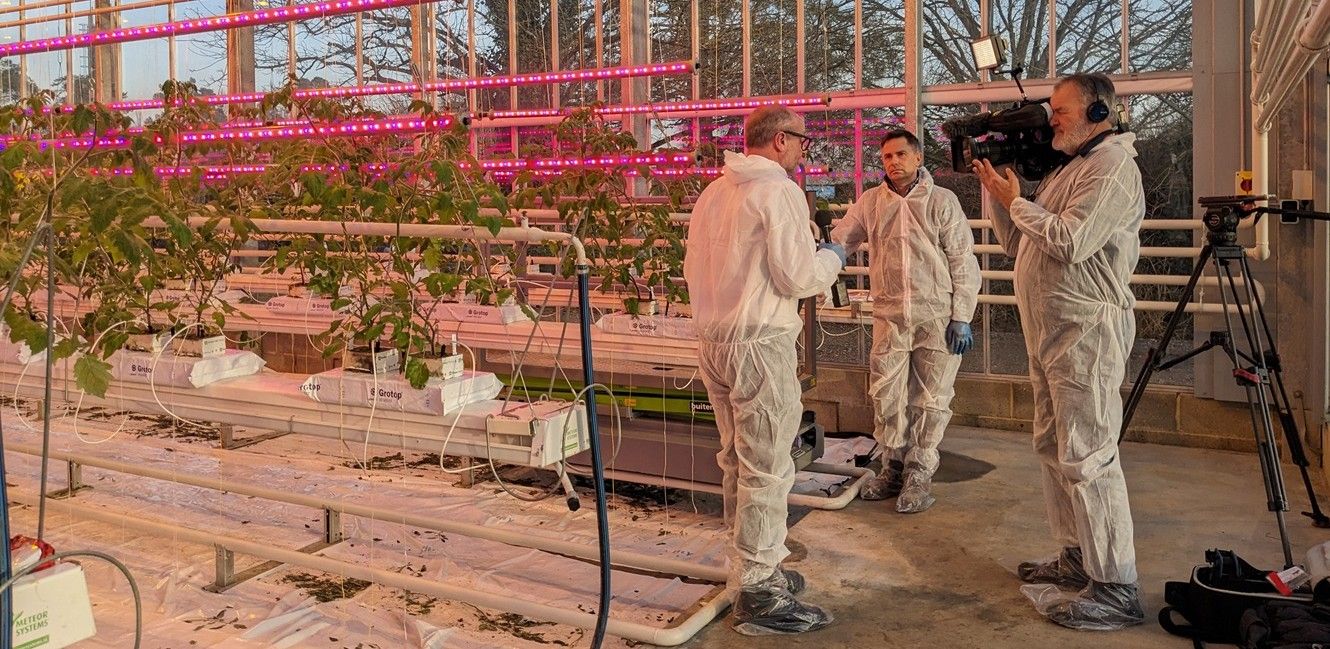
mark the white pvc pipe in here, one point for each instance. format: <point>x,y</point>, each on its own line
<point>1312,40</point>
<point>1263,31</point>
<point>374,229</point>
<point>847,495</point>
<point>1272,57</point>
<point>617,557</point>
<point>666,636</point>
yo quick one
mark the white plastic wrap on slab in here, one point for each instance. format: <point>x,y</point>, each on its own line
<point>18,353</point>
<point>183,371</point>
<point>395,393</point>
<point>648,325</point>
<point>506,314</point>
<point>300,305</point>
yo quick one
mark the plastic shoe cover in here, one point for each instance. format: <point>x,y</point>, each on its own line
<point>1066,571</point>
<point>794,582</point>
<point>769,608</point>
<point>887,485</point>
<point>1099,607</point>
<point>917,494</point>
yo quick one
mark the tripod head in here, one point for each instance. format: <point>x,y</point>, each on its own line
<point>1223,214</point>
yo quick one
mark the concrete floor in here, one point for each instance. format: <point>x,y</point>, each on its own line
<point>945,578</point>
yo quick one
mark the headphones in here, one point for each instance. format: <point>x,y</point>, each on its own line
<point>1097,111</point>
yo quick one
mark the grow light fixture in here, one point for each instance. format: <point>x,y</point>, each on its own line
<point>551,166</point>
<point>450,85</point>
<point>673,107</point>
<point>368,127</point>
<point>199,25</point>
<point>341,129</point>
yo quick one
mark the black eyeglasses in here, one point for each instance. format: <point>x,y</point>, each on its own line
<point>805,142</point>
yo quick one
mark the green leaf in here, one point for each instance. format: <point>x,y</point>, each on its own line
<point>66,348</point>
<point>417,374</point>
<point>92,374</point>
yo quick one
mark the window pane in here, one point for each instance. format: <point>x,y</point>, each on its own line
<point>387,55</point>
<point>47,69</point>
<point>150,59</point>
<point>1089,36</point>
<point>884,43</point>
<point>773,48</point>
<point>271,51</point>
<point>1024,23</point>
<point>492,53</point>
<point>829,45</point>
<point>533,51</point>
<point>722,49</point>
<point>1160,35</point>
<point>1163,126</point>
<point>948,29</point>
<point>326,51</point>
<point>577,48</point>
<point>671,40</point>
<point>201,58</point>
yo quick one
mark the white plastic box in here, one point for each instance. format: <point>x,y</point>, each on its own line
<point>51,608</point>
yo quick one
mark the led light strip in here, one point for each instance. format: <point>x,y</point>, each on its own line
<point>344,129</point>
<point>195,26</point>
<point>690,106</point>
<point>500,81</point>
<point>540,165</point>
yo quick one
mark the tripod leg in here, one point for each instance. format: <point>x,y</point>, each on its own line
<point>1284,406</point>
<point>1259,407</point>
<point>1154,358</point>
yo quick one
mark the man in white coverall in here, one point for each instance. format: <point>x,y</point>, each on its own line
<point>1076,245</point>
<point>925,282</point>
<point>751,256</point>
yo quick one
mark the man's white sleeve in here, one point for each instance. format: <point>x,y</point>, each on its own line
<point>850,232</point>
<point>957,243</point>
<point>1099,205</point>
<point>797,268</point>
<point>1003,228</point>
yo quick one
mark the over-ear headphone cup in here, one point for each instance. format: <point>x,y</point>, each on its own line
<point>1097,111</point>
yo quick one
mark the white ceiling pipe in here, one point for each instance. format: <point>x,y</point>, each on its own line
<point>668,636</point>
<point>617,557</point>
<point>1263,30</point>
<point>1270,59</point>
<point>1312,40</point>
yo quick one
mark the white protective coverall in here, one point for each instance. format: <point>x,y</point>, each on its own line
<point>750,257</point>
<point>1076,246</point>
<point>923,274</point>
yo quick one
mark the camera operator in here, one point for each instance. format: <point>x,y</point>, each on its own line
<point>1076,244</point>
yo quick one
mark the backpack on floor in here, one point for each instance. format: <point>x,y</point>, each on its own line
<point>1286,625</point>
<point>1213,602</point>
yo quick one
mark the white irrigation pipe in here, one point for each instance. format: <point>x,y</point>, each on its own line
<point>664,636</point>
<point>555,546</point>
<point>847,495</point>
<point>414,230</point>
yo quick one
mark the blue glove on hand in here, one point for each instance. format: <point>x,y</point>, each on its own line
<point>959,337</point>
<point>836,248</point>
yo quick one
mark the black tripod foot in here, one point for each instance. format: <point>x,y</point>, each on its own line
<point>1318,519</point>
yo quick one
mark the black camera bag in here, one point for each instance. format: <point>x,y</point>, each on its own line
<point>1213,602</point>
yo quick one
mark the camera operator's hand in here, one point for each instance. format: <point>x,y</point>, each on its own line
<point>1004,189</point>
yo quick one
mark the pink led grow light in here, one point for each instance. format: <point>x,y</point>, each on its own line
<point>683,106</point>
<point>500,81</point>
<point>539,165</point>
<point>344,129</point>
<point>195,26</point>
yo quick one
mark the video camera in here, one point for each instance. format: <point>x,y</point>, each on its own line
<point>1020,136</point>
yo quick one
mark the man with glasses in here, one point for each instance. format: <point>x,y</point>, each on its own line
<point>925,283</point>
<point>751,257</point>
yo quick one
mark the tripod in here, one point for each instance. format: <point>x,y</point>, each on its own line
<point>1258,370</point>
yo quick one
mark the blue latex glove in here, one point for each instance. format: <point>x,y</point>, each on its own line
<point>960,338</point>
<point>836,248</point>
